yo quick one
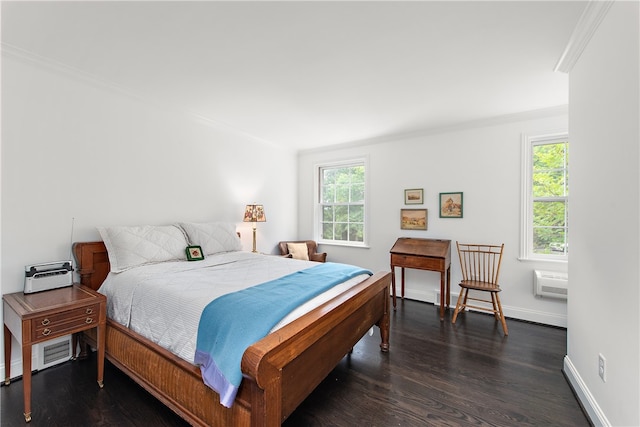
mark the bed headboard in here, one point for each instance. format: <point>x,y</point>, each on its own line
<point>92,262</point>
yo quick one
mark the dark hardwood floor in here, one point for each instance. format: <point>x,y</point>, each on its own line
<point>436,374</point>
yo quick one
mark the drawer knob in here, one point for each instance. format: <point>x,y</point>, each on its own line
<point>45,322</point>
<point>89,320</point>
<point>46,332</point>
<point>89,310</point>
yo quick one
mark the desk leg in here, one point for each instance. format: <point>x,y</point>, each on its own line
<point>26,380</point>
<point>393,285</point>
<point>7,355</point>
<point>102,329</point>
<point>402,294</point>
<point>448,287</point>
<point>444,294</point>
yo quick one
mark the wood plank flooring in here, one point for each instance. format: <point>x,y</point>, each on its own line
<point>436,374</point>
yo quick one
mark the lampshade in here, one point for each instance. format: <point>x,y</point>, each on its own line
<point>254,213</point>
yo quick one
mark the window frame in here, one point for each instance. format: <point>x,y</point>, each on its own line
<point>317,211</point>
<point>526,226</point>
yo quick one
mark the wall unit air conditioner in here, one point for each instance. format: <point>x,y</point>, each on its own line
<point>52,352</point>
<point>551,284</point>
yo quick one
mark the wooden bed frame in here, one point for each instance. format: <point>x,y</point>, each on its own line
<point>280,370</point>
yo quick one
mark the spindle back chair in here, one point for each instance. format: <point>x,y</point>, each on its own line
<point>480,265</point>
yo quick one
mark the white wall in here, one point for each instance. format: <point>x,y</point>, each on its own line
<point>604,217</point>
<point>76,148</point>
<point>482,161</point>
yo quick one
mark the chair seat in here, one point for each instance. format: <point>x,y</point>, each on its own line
<point>479,285</point>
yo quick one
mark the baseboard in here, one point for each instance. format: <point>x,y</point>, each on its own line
<point>584,396</point>
<point>432,295</point>
<point>542,317</point>
<point>16,368</point>
<point>418,295</point>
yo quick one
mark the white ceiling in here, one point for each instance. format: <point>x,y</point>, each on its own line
<point>308,74</point>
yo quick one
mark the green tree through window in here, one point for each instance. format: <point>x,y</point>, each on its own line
<point>342,202</point>
<point>549,196</point>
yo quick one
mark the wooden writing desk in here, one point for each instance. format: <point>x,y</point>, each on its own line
<point>423,254</point>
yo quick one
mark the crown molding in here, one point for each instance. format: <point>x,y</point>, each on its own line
<point>25,56</point>
<point>541,113</point>
<point>593,14</point>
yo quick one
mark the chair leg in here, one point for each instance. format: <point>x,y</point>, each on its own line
<point>502,319</point>
<point>459,304</point>
<point>496,312</point>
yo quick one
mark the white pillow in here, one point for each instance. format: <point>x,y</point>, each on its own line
<point>298,251</point>
<point>213,237</point>
<point>130,247</point>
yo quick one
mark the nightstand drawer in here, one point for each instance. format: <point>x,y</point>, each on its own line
<point>63,322</point>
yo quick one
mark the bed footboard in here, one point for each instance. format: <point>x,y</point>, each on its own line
<point>288,364</point>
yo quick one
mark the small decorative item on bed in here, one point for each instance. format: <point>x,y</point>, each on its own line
<point>194,253</point>
<point>149,284</point>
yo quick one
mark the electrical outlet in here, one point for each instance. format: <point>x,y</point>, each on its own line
<point>602,367</point>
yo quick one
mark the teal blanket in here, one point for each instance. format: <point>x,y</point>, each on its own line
<point>232,322</point>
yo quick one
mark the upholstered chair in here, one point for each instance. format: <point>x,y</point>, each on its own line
<point>296,250</point>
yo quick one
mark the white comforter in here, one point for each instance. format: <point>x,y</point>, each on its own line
<point>163,302</point>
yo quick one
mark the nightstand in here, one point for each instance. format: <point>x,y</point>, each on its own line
<point>38,317</point>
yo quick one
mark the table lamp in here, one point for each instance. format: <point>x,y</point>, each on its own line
<point>254,214</point>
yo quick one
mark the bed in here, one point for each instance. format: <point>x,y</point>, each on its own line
<point>279,371</point>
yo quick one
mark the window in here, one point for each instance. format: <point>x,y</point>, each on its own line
<point>546,197</point>
<point>341,208</point>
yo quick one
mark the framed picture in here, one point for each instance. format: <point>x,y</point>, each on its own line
<point>451,205</point>
<point>414,196</point>
<point>413,219</point>
<point>194,253</point>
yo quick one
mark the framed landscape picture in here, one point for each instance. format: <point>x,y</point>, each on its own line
<point>413,219</point>
<point>451,205</point>
<point>414,196</point>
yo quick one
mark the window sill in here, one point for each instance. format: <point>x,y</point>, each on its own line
<point>548,260</point>
<point>344,244</point>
